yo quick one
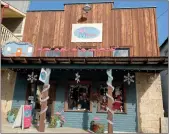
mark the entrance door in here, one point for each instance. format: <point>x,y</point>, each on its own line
<point>51,100</point>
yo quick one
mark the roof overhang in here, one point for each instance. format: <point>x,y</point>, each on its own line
<point>11,12</point>
<point>127,63</point>
<point>164,43</point>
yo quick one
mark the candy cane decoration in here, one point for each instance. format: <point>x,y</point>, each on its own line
<point>43,99</point>
<point>46,88</point>
<point>109,83</point>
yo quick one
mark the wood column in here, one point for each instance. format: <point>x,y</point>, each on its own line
<point>110,101</point>
<point>110,116</point>
<point>44,98</point>
<point>43,115</point>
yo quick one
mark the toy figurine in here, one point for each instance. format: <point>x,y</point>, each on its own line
<point>118,100</point>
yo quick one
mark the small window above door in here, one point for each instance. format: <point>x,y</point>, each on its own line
<point>121,52</point>
<point>87,53</point>
<point>53,53</point>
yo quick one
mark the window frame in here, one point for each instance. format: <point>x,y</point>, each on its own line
<point>122,48</point>
<point>124,98</point>
<point>84,52</point>
<point>51,52</point>
<point>66,97</point>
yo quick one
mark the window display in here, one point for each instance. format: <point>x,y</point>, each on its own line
<point>118,95</point>
<point>79,97</point>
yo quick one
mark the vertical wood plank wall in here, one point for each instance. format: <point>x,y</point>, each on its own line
<point>132,28</point>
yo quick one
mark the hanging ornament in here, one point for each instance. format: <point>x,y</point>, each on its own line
<point>57,49</point>
<point>63,49</point>
<point>74,49</point>
<point>92,50</point>
<point>32,77</point>
<point>129,78</point>
<point>46,49</point>
<point>83,50</point>
<point>102,49</point>
<point>77,79</point>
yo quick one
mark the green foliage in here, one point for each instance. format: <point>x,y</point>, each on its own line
<point>100,129</point>
<point>13,111</point>
<point>54,119</point>
<point>52,123</point>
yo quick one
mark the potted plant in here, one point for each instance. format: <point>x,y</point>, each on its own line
<point>96,127</point>
<point>11,115</point>
<point>100,129</point>
<point>52,123</point>
<point>57,120</point>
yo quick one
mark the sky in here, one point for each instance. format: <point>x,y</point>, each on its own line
<point>161,10</point>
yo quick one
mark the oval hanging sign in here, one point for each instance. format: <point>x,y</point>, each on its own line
<point>87,32</point>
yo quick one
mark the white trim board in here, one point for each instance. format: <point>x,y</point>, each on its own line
<point>14,9</point>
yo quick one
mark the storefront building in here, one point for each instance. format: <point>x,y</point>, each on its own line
<point>80,46</point>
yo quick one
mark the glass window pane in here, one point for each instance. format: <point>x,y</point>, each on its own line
<point>85,54</point>
<point>121,52</point>
<point>79,97</point>
<point>53,53</point>
<point>118,95</point>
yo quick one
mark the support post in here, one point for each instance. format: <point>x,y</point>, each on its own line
<point>110,102</point>
<point>110,116</point>
<point>43,101</point>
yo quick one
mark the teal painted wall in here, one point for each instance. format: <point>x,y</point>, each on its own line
<point>19,91</point>
<point>122,122</point>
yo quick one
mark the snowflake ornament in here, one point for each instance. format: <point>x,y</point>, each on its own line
<point>32,77</point>
<point>77,79</point>
<point>129,78</point>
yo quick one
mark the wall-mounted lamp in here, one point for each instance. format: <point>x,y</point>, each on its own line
<point>87,8</point>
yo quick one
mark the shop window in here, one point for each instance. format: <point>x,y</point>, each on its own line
<point>53,53</point>
<point>118,94</point>
<point>121,52</point>
<point>87,53</point>
<point>78,97</point>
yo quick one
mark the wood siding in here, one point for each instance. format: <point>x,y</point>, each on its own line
<point>131,28</point>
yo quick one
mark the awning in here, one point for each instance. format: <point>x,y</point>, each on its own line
<point>140,63</point>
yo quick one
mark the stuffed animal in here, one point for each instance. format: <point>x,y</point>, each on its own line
<point>117,105</point>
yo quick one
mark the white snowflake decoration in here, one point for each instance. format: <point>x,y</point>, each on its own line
<point>32,77</point>
<point>129,78</point>
<point>77,79</point>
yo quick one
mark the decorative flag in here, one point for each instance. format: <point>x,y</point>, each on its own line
<point>43,75</point>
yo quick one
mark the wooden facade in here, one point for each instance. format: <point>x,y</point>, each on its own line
<point>127,28</point>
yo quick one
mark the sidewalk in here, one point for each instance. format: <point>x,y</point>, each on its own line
<point>7,128</point>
